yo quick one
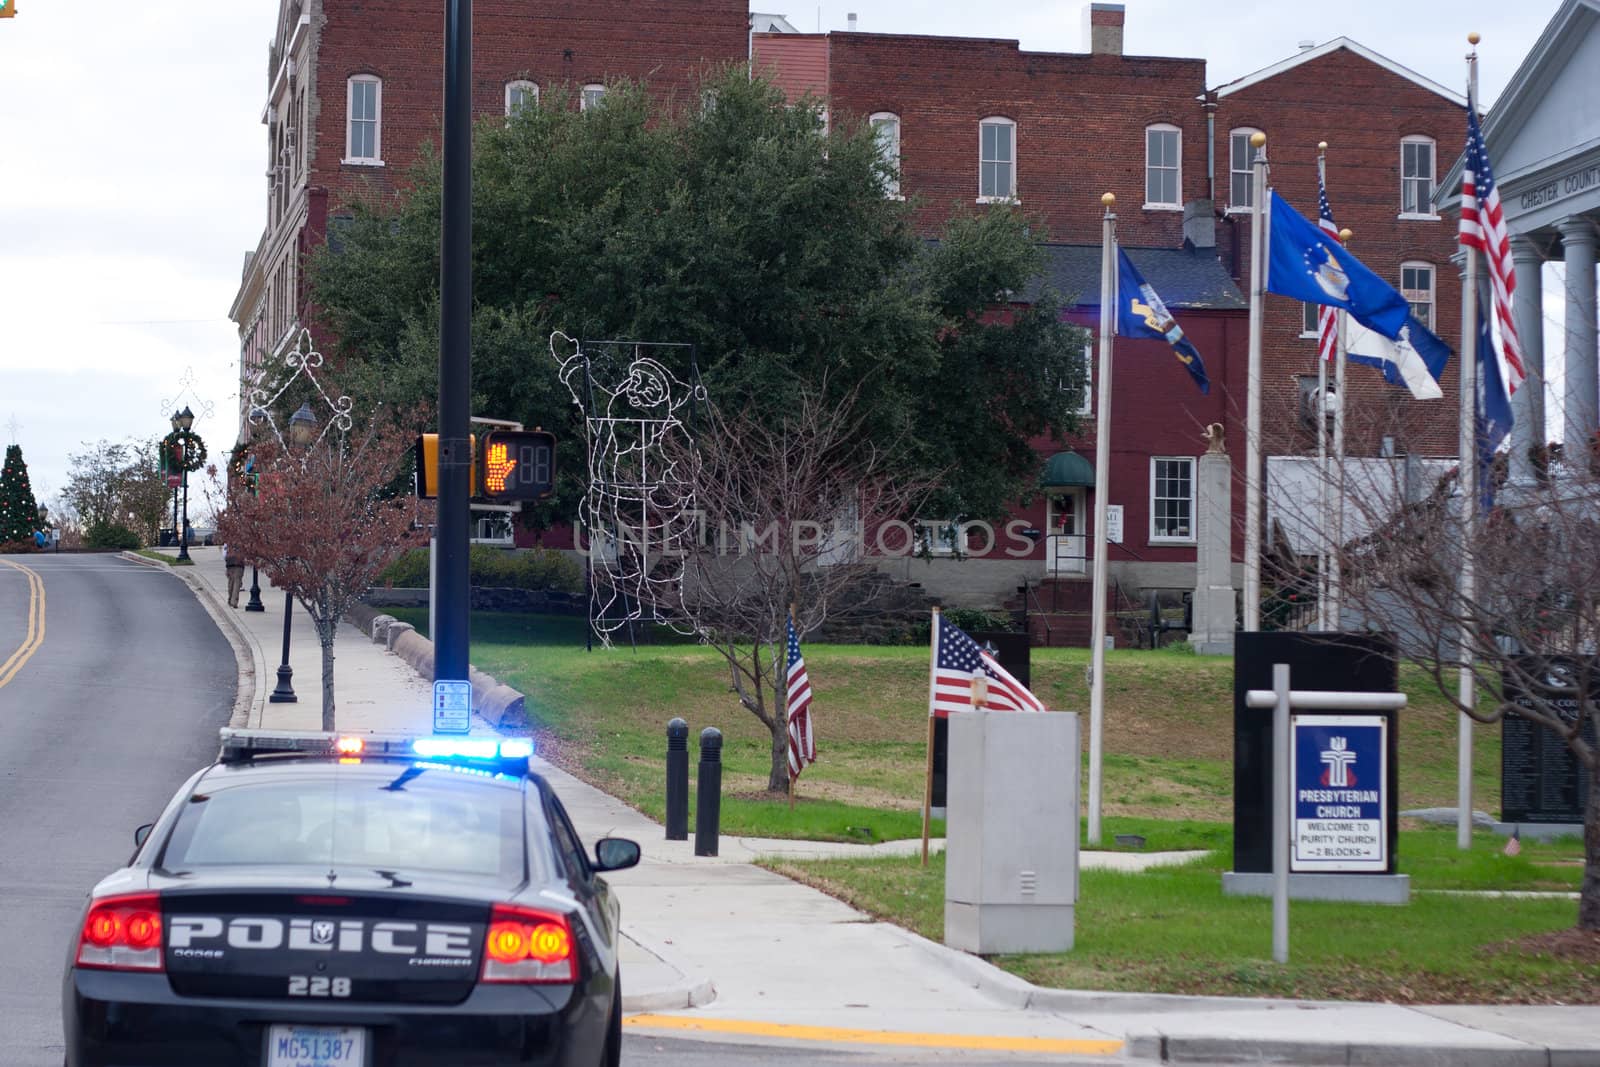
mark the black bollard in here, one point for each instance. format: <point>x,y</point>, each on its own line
<point>708,800</point>
<point>677,780</point>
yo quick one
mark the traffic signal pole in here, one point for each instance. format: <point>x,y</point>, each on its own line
<point>453,593</point>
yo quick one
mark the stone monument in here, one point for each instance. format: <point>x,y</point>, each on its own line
<point>1215,604</point>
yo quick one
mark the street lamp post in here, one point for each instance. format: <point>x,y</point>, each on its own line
<point>185,421</point>
<point>302,431</point>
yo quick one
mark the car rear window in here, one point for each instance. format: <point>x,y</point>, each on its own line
<point>421,820</point>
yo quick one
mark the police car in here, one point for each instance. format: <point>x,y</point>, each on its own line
<point>316,900</point>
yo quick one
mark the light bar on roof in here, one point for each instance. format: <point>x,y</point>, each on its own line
<point>509,755</point>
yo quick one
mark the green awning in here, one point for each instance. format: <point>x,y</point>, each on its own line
<point>1065,469</point>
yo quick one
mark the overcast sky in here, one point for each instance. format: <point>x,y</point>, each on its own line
<point>132,161</point>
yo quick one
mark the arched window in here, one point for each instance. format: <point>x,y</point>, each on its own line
<point>886,129</point>
<point>592,95</point>
<point>520,94</point>
<point>1163,171</point>
<point>364,130</point>
<point>1417,156</point>
<point>997,159</point>
<point>1241,178</point>
<point>1416,285</point>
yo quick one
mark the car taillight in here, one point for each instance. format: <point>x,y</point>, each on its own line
<point>528,945</point>
<point>122,934</point>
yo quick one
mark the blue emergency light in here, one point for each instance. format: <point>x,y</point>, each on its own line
<point>506,756</point>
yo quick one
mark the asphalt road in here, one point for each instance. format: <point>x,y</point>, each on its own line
<point>116,705</point>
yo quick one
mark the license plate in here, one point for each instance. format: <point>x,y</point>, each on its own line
<point>316,1046</point>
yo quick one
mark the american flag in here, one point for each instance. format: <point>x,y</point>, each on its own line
<point>802,741</point>
<point>957,659</point>
<point>1327,315</point>
<point>1514,842</point>
<point>1483,227</point>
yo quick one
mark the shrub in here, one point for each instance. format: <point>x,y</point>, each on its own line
<point>112,536</point>
<point>972,620</point>
<point>495,568</point>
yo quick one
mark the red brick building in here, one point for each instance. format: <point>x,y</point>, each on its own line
<point>354,89</point>
<point>1391,135</point>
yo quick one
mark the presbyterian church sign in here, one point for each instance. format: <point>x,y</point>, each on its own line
<point>1340,772</point>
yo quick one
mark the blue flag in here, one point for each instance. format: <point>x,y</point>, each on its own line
<point>1415,359</point>
<point>1310,265</point>
<point>1494,406</point>
<point>1142,313</point>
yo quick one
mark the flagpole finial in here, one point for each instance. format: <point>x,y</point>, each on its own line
<point>1345,235</point>
<point>1473,38</point>
<point>1322,146</point>
<point>1257,140</point>
<point>1109,200</point>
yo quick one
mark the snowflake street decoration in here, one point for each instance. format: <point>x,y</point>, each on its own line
<point>302,360</point>
<point>638,513</point>
<point>204,409</point>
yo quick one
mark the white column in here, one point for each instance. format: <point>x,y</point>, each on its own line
<point>1582,392</point>
<point>1527,406</point>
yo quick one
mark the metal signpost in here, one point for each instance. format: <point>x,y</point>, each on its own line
<point>1337,826</point>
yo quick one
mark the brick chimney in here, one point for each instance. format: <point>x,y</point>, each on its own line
<point>1104,28</point>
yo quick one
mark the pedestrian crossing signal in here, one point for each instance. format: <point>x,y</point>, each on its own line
<point>8,9</point>
<point>516,465</point>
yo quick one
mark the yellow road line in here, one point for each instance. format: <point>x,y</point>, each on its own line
<point>35,637</point>
<point>846,1036</point>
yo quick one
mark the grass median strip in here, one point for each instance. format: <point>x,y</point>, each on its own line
<point>1171,930</point>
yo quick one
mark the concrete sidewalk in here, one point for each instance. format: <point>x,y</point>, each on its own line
<point>722,948</point>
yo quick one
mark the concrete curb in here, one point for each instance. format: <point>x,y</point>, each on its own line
<point>247,658</point>
<point>499,705</point>
<point>691,992</point>
<point>1161,1048</point>
<point>1015,992</point>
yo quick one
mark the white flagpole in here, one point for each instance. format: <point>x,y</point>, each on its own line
<point>1469,504</point>
<point>1335,563</point>
<point>1252,474</point>
<point>927,780</point>
<point>1322,439</point>
<point>1102,486</point>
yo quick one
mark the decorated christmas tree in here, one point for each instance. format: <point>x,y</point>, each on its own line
<point>19,512</point>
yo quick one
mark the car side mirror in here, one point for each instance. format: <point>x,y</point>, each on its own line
<point>615,854</point>
<point>142,834</point>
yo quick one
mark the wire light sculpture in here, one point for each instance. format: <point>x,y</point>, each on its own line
<point>302,361</point>
<point>638,511</point>
<point>203,409</point>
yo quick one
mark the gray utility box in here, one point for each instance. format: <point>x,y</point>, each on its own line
<point>1011,832</point>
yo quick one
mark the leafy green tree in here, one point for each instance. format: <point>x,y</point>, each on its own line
<point>19,511</point>
<point>751,229</point>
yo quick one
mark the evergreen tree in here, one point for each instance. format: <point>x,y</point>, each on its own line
<point>19,511</point>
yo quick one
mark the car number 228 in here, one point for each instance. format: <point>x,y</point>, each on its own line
<point>319,985</point>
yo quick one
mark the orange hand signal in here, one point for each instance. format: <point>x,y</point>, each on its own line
<point>499,466</point>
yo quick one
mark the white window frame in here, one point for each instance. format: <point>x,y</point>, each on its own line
<point>376,159</point>
<point>992,198</point>
<point>1233,136</point>
<point>1086,404</point>
<point>524,86</point>
<point>1309,316</point>
<point>1177,169</point>
<point>1166,539</point>
<point>1427,214</point>
<point>591,96</point>
<point>888,149</point>
<point>1412,293</point>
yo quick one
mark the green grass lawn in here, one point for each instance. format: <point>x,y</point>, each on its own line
<point>1168,730</point>
<point>162,557</point>
<point>1172,930</point>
